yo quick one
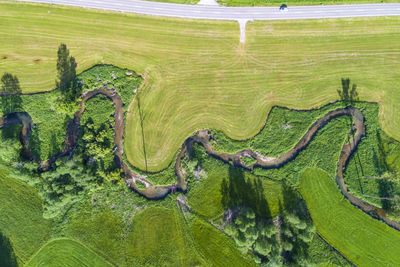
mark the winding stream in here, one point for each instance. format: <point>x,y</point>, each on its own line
<point>203,138</point>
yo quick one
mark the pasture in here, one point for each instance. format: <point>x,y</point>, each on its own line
<point>363,240</point>
<point>197,74</point>
<point>21,220</point>
<point>66,252</point>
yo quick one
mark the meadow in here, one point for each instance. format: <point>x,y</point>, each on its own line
<point>197,74</point>
<point>103,218</point>
<point>205,196</point>
<point>66,252</point>
<point>21,219</point>
<point>363,240</point>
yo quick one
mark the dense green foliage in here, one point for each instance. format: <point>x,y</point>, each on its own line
<point>124,81</point>
<point>93,161</point>
<point>252,233</point>
<point>219,186</point>
<point>372,172</point>
<point>363,240</point>
<point>97,138</point>
<point>285,240</point>
<point>283,130</point>
<point>66,252</point>
<point>85,200</point>
<point>65,185</point>
<point>51,116</point>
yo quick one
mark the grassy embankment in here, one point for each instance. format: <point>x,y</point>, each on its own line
<point>363,240</point>
<point>196,72</point>
<point>66,252</point>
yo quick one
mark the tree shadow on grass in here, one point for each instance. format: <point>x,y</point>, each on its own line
<point>386,189</point>
<point>34,143</point>
<point>11,131</point>
<point>7,255</point>
<point>237,192</point>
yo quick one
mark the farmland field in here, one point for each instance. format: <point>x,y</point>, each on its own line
<point>66,252</point>
<point>362,239</point>
<point>21,220</point>
<point>195,75</point>
<point>172,144</point>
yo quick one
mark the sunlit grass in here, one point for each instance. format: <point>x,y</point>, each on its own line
<point>196,73</point>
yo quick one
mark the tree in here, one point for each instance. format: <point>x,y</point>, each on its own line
<point>346,94</point>
<point>66,69</point>
<point>11,101</point>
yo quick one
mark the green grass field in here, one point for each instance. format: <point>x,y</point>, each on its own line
<point>217,248</point>
<point>205,196</point>
<point>21,219</point>
<point>197,74</point>
<point>363,240</point>
<point>66,252</point>
<point>160,237</point>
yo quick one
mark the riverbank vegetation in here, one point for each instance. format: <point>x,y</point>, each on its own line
<point>253,217</point>
<point>250,217</point>
<point>196,75</point>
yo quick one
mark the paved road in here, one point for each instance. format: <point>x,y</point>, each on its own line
<point>234,13</point>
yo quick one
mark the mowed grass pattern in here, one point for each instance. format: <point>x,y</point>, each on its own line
<point>363,240</point>
<point>197,74</point>
<point>66,252</point>
<point>217,247</point>
<point>160,237</point>
<point>21,219</point>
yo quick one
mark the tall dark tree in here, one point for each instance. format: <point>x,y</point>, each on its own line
<point>66,78</point>
<point>10,101</point>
